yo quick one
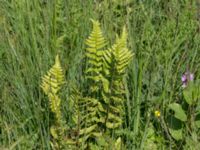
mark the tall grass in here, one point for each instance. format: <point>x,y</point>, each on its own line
<point>164,35</point>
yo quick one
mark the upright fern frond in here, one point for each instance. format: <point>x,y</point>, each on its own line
<point>51,84</point>
<point>94,53</point>
<point>116,60</point>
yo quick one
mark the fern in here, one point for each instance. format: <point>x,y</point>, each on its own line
<point>51,84</point>
<point>115,63</point>
<point>106,70</point>
<point>117,57</point>
<point>85,116</point>
<point>101,109</point>
<point>94,54</point>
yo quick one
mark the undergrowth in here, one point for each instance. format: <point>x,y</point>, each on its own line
<point>159,109</point>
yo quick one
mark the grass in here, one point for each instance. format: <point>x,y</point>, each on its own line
<point>164,35</point>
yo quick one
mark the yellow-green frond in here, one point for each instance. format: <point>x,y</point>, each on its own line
<point>51,84</point>
<point>95,40</point>
<point>115,62</point>
<point>53,80</point>
<point>94,54</point>
<point>118,56</point>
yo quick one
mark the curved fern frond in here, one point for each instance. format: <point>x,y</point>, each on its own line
<point>52,82</point>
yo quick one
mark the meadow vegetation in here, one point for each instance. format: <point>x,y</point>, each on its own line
<point>102,74</point>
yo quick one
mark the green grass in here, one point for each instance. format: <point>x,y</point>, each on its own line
<point>164,35</point>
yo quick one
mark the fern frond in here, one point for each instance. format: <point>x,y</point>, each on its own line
<point>89,110</point>
<point>115,62</point>
<point>51,84</point>
<point>118,56</point>
<point>123,39</point>
<point>94,52</point>
<point>54,79</point>
<point>96,40</point>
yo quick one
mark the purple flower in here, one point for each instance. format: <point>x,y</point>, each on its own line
<point>186,78</point>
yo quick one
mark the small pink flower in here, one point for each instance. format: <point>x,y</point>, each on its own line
<point>186,78</point>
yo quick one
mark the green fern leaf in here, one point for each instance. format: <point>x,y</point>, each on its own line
<point>94,54</point>
<point>52,82</point>
<point>115,62</point>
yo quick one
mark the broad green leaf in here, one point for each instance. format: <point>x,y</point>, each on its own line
<point>178,110</point>
<point>175,127</point>
<point>176,134</point>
